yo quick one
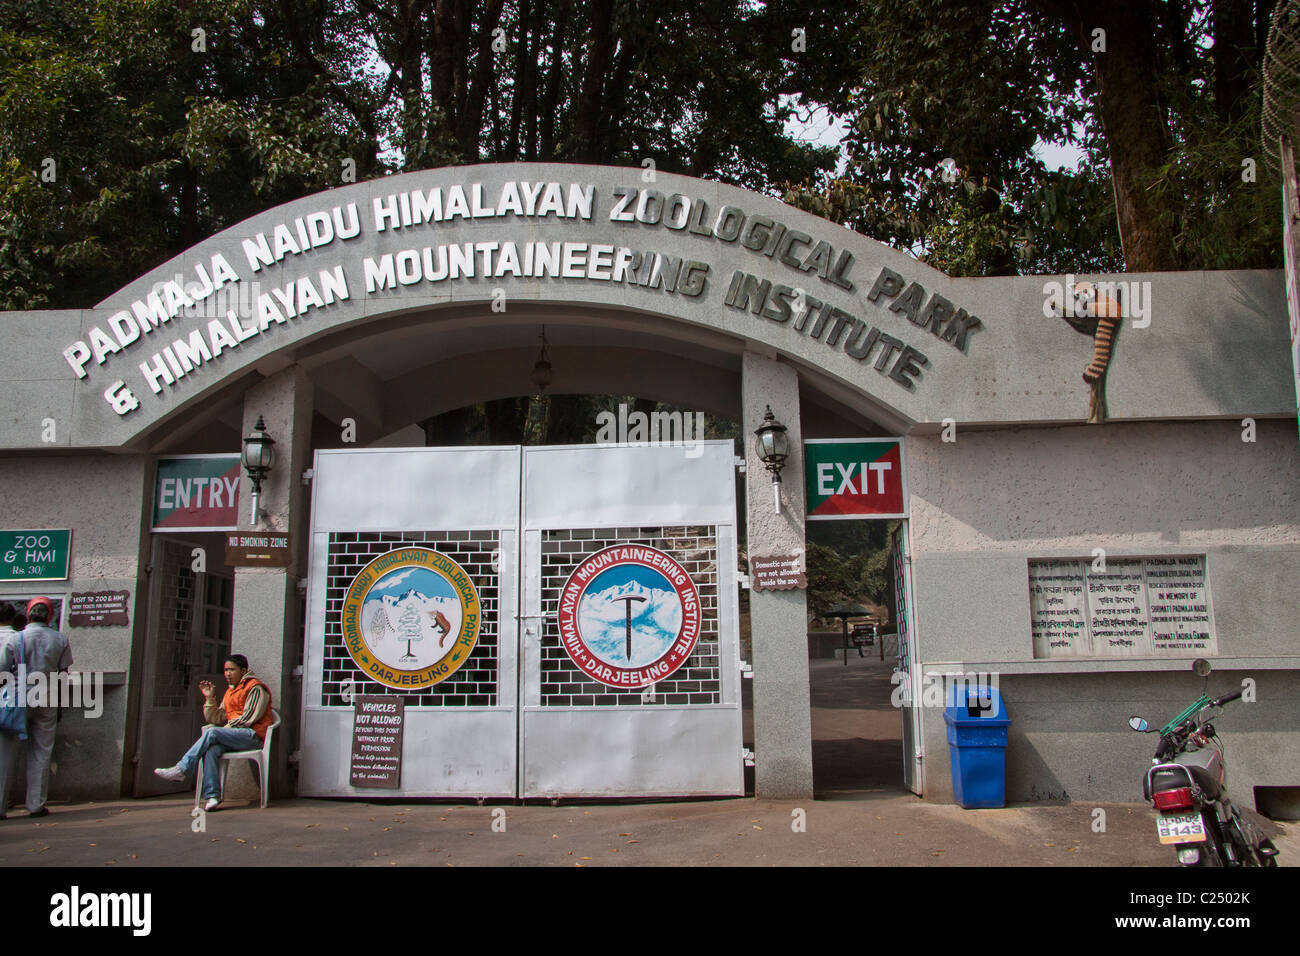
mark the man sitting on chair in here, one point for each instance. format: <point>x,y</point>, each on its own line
<point>245,712</point>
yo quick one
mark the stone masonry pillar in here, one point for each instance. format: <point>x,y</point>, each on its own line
<point>266,622</point>
<point>778,619</point>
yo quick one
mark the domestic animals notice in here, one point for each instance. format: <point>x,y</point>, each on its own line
<point>781,572</point>
<point>377,742</point>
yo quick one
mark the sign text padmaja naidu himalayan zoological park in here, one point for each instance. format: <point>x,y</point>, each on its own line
<point>141,350</point>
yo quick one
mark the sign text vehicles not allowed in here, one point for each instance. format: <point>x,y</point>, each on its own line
<point>41,555</point>
<point>377,725</point>
<point>854,478</point>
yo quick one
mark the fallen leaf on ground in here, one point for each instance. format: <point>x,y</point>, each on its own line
<point>584,858</point>
<point>240,840</point>
<point>630,842</point>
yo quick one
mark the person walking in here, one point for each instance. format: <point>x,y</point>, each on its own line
<point>45,651</point>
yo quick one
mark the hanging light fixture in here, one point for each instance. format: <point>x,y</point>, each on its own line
<point>259,453</point>
<point>773,447</point>
<point>543,374</point>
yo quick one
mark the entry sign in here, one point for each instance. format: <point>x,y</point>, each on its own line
<point>34,555</point>
<point>196,493</point>
<point>854,478</point>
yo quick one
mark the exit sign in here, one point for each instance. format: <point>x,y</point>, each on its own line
<point>34,555</point>
<point>854,478</point>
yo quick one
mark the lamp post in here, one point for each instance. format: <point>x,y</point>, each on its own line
<point>543,374</point>
<point>773,447</point>
<point>259,453</point>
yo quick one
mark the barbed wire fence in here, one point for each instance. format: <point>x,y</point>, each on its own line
<point>1281,82</point>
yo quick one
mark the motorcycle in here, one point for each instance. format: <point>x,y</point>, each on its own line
<point>1185,784</point>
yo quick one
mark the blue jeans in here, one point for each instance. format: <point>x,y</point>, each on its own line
<point>212,743</point>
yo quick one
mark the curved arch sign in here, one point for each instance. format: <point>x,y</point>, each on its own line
<point>504,237</point>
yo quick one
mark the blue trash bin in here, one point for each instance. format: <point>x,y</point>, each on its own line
<point>977,745</point>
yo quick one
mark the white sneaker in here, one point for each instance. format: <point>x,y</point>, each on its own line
<point>170,773</point>
<point>212,804</point>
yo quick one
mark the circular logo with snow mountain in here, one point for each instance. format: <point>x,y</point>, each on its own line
<point>629,616</point>
<point>411,618</point>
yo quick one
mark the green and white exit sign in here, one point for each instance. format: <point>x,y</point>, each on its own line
<point>35,555</point>
<point>854,478</point>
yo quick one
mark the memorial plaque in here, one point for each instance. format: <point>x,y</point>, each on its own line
<point>1117,610</point>
<point>1136,607</point>
<point>377,724</point>
<point>98,608</point>
<point>780,572</point>
<point>259,550</point>
<point>1180,606</point>
<point>1057,609</point>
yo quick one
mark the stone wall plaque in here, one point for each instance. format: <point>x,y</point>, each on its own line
<point>1121,607</point>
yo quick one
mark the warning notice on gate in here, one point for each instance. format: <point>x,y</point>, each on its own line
<point>377,742</point>
<point>854,478</point>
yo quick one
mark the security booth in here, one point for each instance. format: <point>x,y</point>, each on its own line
<point>509,622</point>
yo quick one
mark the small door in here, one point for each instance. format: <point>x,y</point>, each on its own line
<point>187,641</point>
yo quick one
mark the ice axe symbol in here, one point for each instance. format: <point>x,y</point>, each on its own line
<point>627,600</point>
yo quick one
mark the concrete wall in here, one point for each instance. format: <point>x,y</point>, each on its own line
<point>100,498</point>
<point>986,504</point>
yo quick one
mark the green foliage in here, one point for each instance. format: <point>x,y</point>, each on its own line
<point>847,563</point>
<point>976,85</point>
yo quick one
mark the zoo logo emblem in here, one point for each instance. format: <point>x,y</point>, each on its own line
<point>411,618</point>
<point>629,616</point>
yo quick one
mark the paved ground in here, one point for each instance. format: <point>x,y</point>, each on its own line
<point>862,817</point>
<point>866,830</point>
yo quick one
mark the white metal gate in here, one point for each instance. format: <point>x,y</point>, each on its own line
<point>519,522</point>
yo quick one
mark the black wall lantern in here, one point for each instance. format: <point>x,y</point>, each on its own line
<point>543,374</point>
<point>773,447</point>
<point>259,453</point>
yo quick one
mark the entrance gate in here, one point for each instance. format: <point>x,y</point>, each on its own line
<point>521,716</point>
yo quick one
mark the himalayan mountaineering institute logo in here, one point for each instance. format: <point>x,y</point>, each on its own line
<point>629,616</point>
<point>411,618</point>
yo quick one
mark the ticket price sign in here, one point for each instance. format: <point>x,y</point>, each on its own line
<point>854,478</point>
<point>377,725</point>
<point>35,555</point>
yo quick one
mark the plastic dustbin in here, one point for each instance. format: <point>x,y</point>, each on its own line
<point>977,745</point>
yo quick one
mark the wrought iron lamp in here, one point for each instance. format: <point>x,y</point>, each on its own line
<point>773,447</point>
<point>259,453</point>
<point>543,374</point>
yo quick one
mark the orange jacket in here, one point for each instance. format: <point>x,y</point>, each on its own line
<point>248,704</point>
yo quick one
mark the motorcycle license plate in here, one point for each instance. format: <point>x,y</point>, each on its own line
<point>1180,827</point>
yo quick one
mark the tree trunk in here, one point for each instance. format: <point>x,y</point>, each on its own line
<point>1128,101</point>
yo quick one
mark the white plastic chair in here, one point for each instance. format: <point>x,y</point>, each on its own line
<point>261,756</point>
